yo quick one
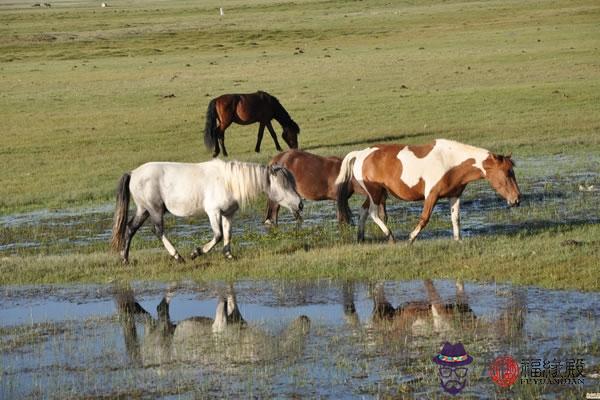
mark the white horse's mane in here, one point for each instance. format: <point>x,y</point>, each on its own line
<point>245,180</point>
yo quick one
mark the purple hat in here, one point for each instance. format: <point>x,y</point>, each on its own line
<point>453,355</point>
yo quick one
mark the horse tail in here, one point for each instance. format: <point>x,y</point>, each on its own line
<point>210,129</point>
<point>117,240</point>
<point>343,184</point>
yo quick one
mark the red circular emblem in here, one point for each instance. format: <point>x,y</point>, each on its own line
<point>504,371</point>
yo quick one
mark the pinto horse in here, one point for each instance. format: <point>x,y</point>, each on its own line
<point>245,109</point>
<point>315,180</point>
<point>216,187</point>
<point>426,172</point>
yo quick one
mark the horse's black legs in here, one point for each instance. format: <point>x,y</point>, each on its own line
<point>222,143</point>
<point>272,213</point>
<point>261,131</point>
<point>273,135</point>
<point>160,233</point>
<point>134,224</point>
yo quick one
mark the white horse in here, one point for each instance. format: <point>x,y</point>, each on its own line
<point>216,187</point>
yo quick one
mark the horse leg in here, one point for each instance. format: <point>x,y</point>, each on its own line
<point>222,143</point>
<point>373,213</point>
<point>362,219</point>
<point>223,125</point>
<point>215,223</point>
<point>217,150</point>
<point>160,233</point>
<point>425,215</point>
<point>382,208</point>
<point>261,131</point>
<point>441,317</point>
<point>226,226</point>
<point>272,213</point>
<point>134,224</point>
<point>233,312</point>
<point>376,196</point>
<point>455,216</point>
<point>273,135</point>
<point>382,309</point>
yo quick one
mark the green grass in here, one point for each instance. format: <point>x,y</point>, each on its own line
<point>82,99</point>
<point>81,87</point>
<point>545,258</point>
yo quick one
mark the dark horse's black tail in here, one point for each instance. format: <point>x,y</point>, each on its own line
<point>210,130</point>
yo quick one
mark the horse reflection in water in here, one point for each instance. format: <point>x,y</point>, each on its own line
<point>435,316</point>
<point>226,339</point>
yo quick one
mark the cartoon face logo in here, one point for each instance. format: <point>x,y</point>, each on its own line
<point>452,364</point>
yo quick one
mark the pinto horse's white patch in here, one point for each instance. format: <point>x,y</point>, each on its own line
<point>445,155</point>
<point>358,167</point>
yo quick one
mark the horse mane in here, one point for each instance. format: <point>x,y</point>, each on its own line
<point>245,181</point>
<point>281,114</point>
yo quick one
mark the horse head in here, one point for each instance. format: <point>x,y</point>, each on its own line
<point>282,189</point>
<point>499,172</point>
<point>290,134</point>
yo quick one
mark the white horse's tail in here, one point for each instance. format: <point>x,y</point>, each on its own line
<point>117,241</point>
<point>343,184</point>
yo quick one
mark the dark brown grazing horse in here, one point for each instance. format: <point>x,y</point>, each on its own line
<point>245,109</point>
<point>427,172</point>
<point>315,180</point>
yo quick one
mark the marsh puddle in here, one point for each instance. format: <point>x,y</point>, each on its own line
<point>300,340</point>
<point>549,199</point>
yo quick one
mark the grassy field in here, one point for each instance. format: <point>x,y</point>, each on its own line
<point>548,259</point>
<point>87,93</point>
<point>82,87</point>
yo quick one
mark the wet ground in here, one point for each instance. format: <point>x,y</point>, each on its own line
<point>555,191</point>
<point>91,341</point>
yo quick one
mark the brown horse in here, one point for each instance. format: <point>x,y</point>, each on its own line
<point>427,172</point>
<point>245,109</point>
<point>315,180</point>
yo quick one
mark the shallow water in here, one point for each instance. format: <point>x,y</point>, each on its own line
<point>77,341</point>
<point>550,197</point>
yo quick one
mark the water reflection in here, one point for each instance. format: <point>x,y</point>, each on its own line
<point>200,339</point>
<point>283,339</point>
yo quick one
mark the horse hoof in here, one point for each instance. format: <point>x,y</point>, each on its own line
<point>228,256</point>
<point>179,259</point>
<point>196,253</point>
<point>125,261</point>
